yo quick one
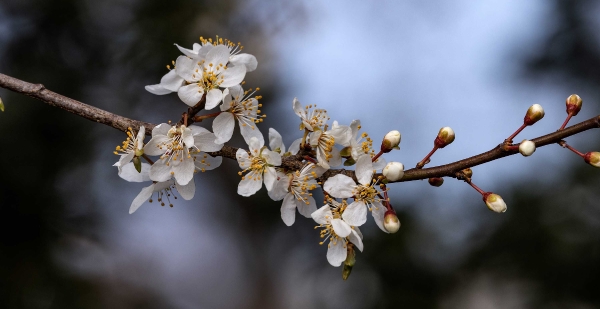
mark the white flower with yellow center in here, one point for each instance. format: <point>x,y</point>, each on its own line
<point>312,119</point>
<point>132,147</point>
<point>339,233</point>
<point>294,188</point>
<point>359,145</point>
<point>259,166</point>
<point>164,191</point>
<point>206,75</point>
<point>238,105</point>
<point>176,147</point>
<point>323,142</point>
<point>365,194</point>
<point>236,57</point>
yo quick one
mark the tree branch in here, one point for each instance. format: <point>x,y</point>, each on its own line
<point>294,162</point>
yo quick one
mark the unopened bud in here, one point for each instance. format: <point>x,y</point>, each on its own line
<point>436,181</point>
<point>445,137</point>
<point>391,222</point>
<point>527,148</point>
<point>391,141</point>
<point>494,202</point>
<point>574,103</point>
<point>468,172</point>
<point>348,263</point>
<point>1,105</point>
<point>592,158</point>
<point>393,171</point>
<point>534,114</point>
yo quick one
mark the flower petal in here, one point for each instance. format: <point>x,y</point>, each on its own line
<point>129,173</point>
<point>275,141</point>
<point>288,210</point>
<point>364,170</point>
<point>249,185</point>
<point>378,212</point>
<point>356,239</point>
<point>171,81</point>
<point>188,52</point>
<point>190,94</point>
<point>255,145</point>
<point>160,171</point>
<point>306,208</point>
<point>213,98</point>
<point>206,142</point>
<point>322,215</point>
<point>187,191</point>
<point>223,127</point>
<point>233,76</point>
<point>183,170</point>
<point>243,158</point>
<point>272,157</point>
<point>143,196</point>
<point>206,162</point>
<point>270,177</point>
<point>156,146</point>
<point>248,129</point>
<point>356,213</point>
<point>340,186</point>
<point>244,59</point>
<point>295,146</point>
<point>279,190</point>
<point>336,252</point>
<point>185,68</point>
<point>157,89</point>
<point>340,227</point>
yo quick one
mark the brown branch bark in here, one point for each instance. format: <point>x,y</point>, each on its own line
<point>38,91</point>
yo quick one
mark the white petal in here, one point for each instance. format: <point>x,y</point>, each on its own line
<point>236,92</point>
<point>298,109</point>
<point>255,145</point>
<point>336,158</point>
<point>213,98</point>
<point>364,170</point>
<point>378,212</point>
<point>354,127</point>
<point>248,186</point>
<point>140,137</point>
<point>161,129</point>
<point>295,146</point>
<point>206,142</point>
<point>219,55</point>
<point>379,164</point>
<point>306,209</point>
<point>183,170</point>
<point>188,52</point>
<point>270,177</point>
<point>244,59</point>
<point>227,101</point>
<point>336,252</point>
<point>322,215</point>
<point>126,158</point>
<point>248,129</point>
<point>272,157</point>
<point>233,76</point>
<point>356,239</point>
<point>171,81</point>
<point>190,94</point>
<point>160,171</point>
<point>340,227</point>
<point>288,210</point>
<point>197,130</point>
<point>207,162</point>
<point>356,213</point>
<point>156,145</point>
<point>129,173</point>
<point>185,68</point>
<point>223,127</point>
<point>342,135</point>
<point>243,158</point>
<point>340,186</point>
<point>279,190</point>
<point>187,191</point>
<point>157,89</point>
<point>275,140</point>
<point>187,137</point>
<point>143,196</point>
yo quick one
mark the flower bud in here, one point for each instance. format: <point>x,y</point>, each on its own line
<point>436,181</point>
<point>574,103</point>
<point>444,138</point>
<point>393,171</point>
<point>527,148</point>
<point>592,158</point>
<point>391,141</point>
<point>391,222</point>
<point>494,202</point>
<point>468,172</point>
<point>534,114</point>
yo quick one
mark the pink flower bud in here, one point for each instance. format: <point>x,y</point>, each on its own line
<point>391,141</point>
<point>494,202</point>
<point>445,137</point>
<point>534,114</point>
<point>574,103</point>
<point>391,222</point>
<point>592,158</point>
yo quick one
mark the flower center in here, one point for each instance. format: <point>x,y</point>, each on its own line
<point>129,145</point>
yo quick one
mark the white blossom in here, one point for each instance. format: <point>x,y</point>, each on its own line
<point>164,192</point>
<point>259,166</point>
<point>365,194</point>
<point>359,145</point>
<point>130,148</point>
<point>177,147</point>
<point>294,189</point>
<point>311,119</point>
<point>170,82</point>
<point>199,51</point>
<point>324,141</point>
<point>206,75</point>
<point>338,232</point>
<point>237,105</point>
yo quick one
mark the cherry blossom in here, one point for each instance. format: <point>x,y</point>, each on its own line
<point>260,167</point>
<point>237,105</point>
<point>164,191</point>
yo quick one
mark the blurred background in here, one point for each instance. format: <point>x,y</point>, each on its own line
<point>67,240</point>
